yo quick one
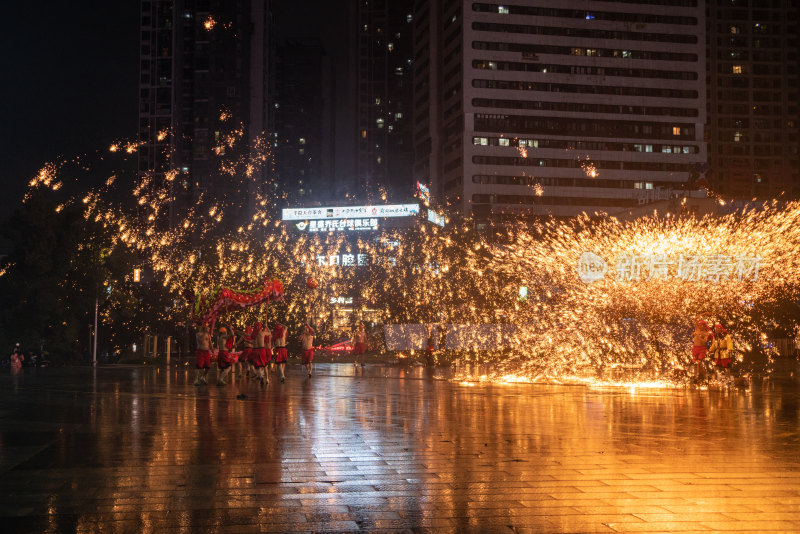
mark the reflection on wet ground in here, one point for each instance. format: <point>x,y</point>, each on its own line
<point>140,449</point>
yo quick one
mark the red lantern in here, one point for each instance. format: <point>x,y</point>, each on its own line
<point>312,283</point>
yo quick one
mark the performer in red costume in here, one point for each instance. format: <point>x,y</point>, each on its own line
<point>225,360</point>
<point>202,355</point>
<point>307,341</point>
<point>279,341</point>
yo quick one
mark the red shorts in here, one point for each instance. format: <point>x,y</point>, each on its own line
<point>359,348</point>
<point>225,359</point>
<point>308,356</point>
<point>259,357</point>
<point>723,362</point>
<point>699,353</point>
<point>203,358</point>
<point>281,355</point>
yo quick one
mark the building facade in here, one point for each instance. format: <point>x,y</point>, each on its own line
<point>753,98</point>
<point>205,72</point>
<point>382,56</point>
<point>543,109</point>
<point>304,123</point>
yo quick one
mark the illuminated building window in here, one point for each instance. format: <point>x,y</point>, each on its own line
<point>503,141</point>
<point>737,137</point>
<point>379,122</point>
<point>676,130</point>
<point>735,30</point>
<point>363,134</point>
<point>302,140</point>
<point>503,10</point>
<point>648,148</point>
<point>737,69</point>
<point>390,46</point>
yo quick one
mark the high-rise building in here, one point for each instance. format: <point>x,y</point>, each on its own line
<point>542,108</point>
<point>304,123</point>
<point>753,119</point>
<point>205,74</point>
<point>383,87</point>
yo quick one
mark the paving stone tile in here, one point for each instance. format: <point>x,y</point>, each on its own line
<point>138,449</point>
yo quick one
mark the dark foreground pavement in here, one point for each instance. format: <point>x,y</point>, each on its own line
<point>139,449</point>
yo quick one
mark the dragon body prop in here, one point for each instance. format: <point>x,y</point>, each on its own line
<point>206,309</point>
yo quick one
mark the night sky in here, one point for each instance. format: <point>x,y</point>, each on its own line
<point>70,72</point>
<point>71,79</point>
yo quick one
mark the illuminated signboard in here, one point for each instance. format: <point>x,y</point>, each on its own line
<point>337,225</point>
<point>688,267</point>
<point>344,260</point>
<point>435,218</point>
<point>423,193</point>
<point>350,212</point>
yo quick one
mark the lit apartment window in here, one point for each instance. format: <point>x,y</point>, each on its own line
<point>503,141</point>
<point>301,150</point>
<point>737,137</point>
<point>390,46</point>
<point>737,69</point>
<point>591,52</point>
<point>503,10</point>
<point>638,148</point>
<point>363,134</point>
<point>492,65</point>
<point>302,140</point>
<point>409,18</point>
<point>676,130</point>
<point>398,116</point>
<point>626,53</point>
<point>735,30</point>
<point>666,149</point>
<point>576,51</point>
<point>648,148</point>
<point>687,150</point>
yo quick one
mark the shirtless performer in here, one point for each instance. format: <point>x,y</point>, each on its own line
<point>202,355</point>
<point>246,365</point>
<point>307,341</point>
<point>225,361</point>
<point>259,349</point>
<point>699,349</point>
<point>279,342</point>
<point>359,345</point>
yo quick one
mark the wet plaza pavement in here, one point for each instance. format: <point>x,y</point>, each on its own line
<point>139,449</point>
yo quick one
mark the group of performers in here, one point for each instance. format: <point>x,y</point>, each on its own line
<point>717,342</point>
<point>260,348</point>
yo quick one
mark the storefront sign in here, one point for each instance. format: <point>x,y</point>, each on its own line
<point>631,267</point>
<point>337,225</point>
<point>350,212</point>
<point>435,218</point>
<point>344,260</point>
